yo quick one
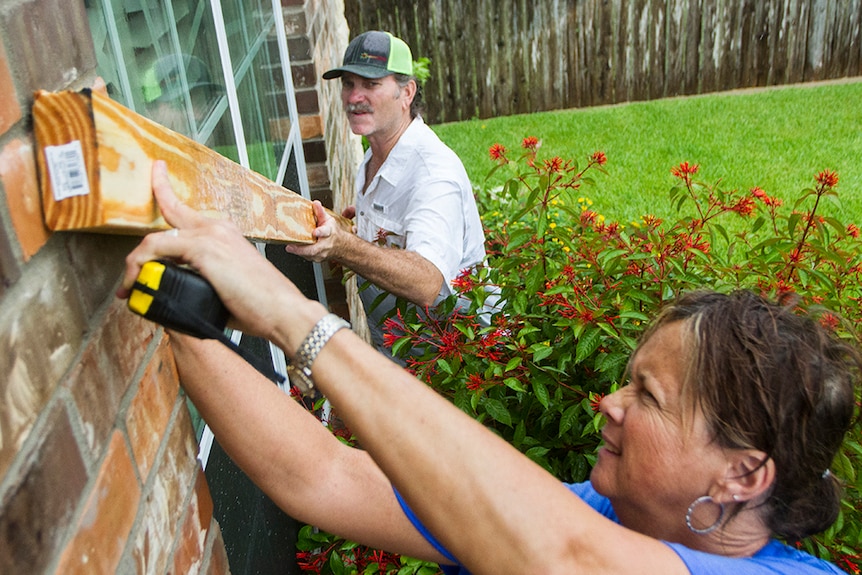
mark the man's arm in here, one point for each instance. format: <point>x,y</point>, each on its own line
<point>402,273</point>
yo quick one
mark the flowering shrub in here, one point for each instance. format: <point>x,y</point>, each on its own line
<point>573,292</point>
<point>319,552</point>
<point>558,308</point>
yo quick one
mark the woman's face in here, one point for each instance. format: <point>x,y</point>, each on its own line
<point>657,455</point>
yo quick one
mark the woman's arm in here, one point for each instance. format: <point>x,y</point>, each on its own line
<point>290,454</point>
<point>497,511</point>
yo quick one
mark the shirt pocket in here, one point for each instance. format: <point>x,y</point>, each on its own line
<point>380,230</point>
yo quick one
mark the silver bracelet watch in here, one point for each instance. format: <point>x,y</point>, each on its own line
<point>299,370</point>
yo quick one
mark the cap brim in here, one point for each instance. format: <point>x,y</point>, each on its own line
<point>359,70</point>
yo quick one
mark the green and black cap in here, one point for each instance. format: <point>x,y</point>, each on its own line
<point>375,54</point>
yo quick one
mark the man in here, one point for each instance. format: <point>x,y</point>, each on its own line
<point>417,226</point>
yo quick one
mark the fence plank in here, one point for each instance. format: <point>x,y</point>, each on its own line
<point>500,57</point>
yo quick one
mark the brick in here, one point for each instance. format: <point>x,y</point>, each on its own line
<point>318,176</point>
<point>310,127</point>
<point>100,380</point>
<point>49,42</point>
<point>304,76</point>
<point>175,476</point>
<point>41,330</point>
<point>10,110</point>
<point>104,526</point>
<point>18,174</point>
<point>314,151</point>
<point>150,409</point>
<point>98,261</point>
<point>40,507</point>
<point>306,102</point>
<point>299,48</point>
<point>294,22</point>
<point>189,553</point>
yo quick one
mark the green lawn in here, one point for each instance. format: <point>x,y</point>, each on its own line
<point>777,139</point>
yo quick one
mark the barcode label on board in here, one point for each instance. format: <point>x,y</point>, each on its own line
<point>67,170</point>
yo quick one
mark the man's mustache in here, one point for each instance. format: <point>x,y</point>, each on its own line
<point>358,109</point>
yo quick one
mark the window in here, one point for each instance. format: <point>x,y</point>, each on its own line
<point>218,71</point>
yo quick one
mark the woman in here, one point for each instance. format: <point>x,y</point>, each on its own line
<point>720,442</point>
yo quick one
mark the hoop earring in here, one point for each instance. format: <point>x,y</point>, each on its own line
<point>690,512</point>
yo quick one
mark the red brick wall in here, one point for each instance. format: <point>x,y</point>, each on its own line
<point>98,468</point>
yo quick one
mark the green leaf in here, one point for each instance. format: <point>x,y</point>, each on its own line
<point>513,363</point>
<point>587,344</point>
<point>496,410</point>
<point>444,366</point>
<point>541,350</point>
<point>400,344</point>
<point>514,384</point>
<point>537,454</point>
<point>569,419</point>
<point>541,392</point>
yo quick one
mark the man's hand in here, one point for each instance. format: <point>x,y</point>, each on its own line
<point>328,234</point>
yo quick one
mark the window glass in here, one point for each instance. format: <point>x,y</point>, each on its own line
<point>163,59</point>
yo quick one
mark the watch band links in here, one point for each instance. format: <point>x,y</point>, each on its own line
<point>299,369</point>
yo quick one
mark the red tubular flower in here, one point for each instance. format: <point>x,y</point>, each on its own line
<point>588,217</point>
<point>389,340</point>
<point>554,164</point>
<point>497,152</point>
<point>464,282</point>
<point>827,178</point>
<point>744,207</point>
<point>829,321</point>
<point>599,158</point>
<point>852,230</point>
<point>595,401</point>
<point>684,170</point>
<point>530,143</point>
<point>475,382</point>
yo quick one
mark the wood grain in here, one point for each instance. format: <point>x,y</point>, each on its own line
<point>119,147</point>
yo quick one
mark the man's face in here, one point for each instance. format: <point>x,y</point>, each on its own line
<point>373,105</point>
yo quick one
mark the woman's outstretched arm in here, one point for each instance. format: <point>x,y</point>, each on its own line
<point>497,511</point>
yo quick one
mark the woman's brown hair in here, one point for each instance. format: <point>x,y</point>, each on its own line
<point>771,379</point>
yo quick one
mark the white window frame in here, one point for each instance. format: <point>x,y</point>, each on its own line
<point>293,144</point>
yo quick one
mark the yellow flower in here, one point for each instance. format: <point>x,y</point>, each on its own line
<point>552,225</point>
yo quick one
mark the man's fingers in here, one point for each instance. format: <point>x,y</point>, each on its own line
<point>319,212</point>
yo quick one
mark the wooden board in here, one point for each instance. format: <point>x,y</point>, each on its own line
<point>95,158</point>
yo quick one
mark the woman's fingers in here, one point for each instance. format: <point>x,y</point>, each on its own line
<point>176,213</point>
<point>245,281</point>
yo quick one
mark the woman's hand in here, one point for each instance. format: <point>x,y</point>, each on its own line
<point>250,287</point>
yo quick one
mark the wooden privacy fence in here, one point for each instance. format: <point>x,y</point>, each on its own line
<point>502,57</point>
